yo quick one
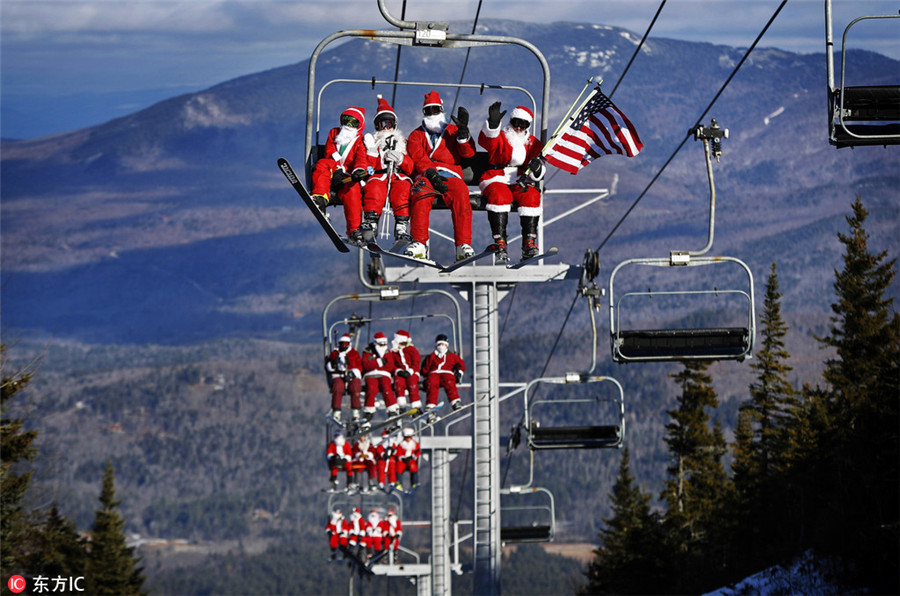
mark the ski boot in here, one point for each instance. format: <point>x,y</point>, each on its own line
<point>464,251</point>
<point>497,221</point>
<point>336,416</point>
<point>401,228</point>
<point>320,201</point>
<point>529,236</point>
<point>358,236</point>
<point>369,226</point>
<point>456,404</point>
<point>417,250</point>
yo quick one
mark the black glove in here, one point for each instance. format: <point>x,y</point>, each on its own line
<point>438,182</point>
<point>457,373</point>
<point>349,376</point>
<point>358,174</point>
<point>536,165</point>
<point>403,373</point>
<point>495,115</point>
<point>461,120</point>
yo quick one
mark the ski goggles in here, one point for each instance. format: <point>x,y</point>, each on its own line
<point>385,123</point>
<point>349,121</point>
<point>519,123</point>
<point>432,110</point>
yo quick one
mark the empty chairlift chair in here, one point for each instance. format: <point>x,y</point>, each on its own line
<point>859,115</point>
<point>531,516</point>
<point>602,416</point>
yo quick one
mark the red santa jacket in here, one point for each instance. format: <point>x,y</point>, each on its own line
<point>357,526</point>
<point>444,155</point>
<point>338,362</point>
<point>408,447</point>
<point>392,526</point>
<point>337,526</point>
<point>375,155</point>
<point>442,364</point>
<point>408,359</point>
<point>354,156</point>
<point>507,160</point>
<point>365,451</point>
<point>344,451</point>
<point>378,366</point>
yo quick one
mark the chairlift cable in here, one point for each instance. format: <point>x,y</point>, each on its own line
<point>690,131</point>
<point>558,336</point>
<point>638,48</point>
<point>466,62</point>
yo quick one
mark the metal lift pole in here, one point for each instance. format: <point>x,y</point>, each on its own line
<point>487,441</point>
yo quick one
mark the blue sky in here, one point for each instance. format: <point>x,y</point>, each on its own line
<point>67,64</point>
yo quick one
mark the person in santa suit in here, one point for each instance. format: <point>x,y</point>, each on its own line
<point>386,453</point>
<point>343,168</point>
<point>337,530</point>
<point>358,534</point>
<point>365,453</point>
<point>344,369</point>
<point>392,532</point>
<point>408,452</point>
<point>378,370</point>
<point>376,533</point>
<point>513,177</point>
<point>406,377</point>
<point>442,368</point>
<point>340,457</point>
<point>386,149</point>
<point>437,149</point>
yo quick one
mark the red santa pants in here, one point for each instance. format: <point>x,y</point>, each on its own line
<point>337,464</point>
<point>376,543</point>
<point>504,195</point>
<point>370,468</point>
<point>435,381</point>
<point>338,386</point>
<point>334,540</point>
<point>374,384</point>
<point>350,194</point>
<point>456,198</point>
<point>404,464</point>
<point>408,386</point>
<point>375,195</point>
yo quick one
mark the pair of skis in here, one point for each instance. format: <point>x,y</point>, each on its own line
<point>343,244</point>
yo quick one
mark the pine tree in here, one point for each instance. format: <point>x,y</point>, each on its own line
<point>111,566</point>
<point>15,447</point>
<point>59,550</point>
<point>773,400</point>
<point>864,383</point>
<point>631,559</point>
<point>698,487</point>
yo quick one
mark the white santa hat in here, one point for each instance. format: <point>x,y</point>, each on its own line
<point>384,110</point>
<point>523,113</point>
<point>344,339</point>
<point>408,431</point>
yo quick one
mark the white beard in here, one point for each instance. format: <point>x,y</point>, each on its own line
<point>381,137</point>
<point>381,350</point>
<point>441,351</point>
<point>517,140</point>
<point>347,134</point>
<point>435,123</point>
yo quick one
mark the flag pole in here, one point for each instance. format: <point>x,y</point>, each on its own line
<point>569,115</point>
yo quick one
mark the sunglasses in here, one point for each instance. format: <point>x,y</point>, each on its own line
<point>432,110</point>
<point>384,124</point>
<point>349,121</point>
<point>518,123</point>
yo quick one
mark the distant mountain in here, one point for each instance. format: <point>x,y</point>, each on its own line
<point>174,284</point>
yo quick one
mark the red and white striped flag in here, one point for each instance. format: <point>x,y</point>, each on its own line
<point>599,127</point>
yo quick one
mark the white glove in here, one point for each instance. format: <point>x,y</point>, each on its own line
<point>392,155</point>
<point>371,146</point>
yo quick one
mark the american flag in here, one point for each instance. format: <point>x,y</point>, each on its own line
<point>598,128</point>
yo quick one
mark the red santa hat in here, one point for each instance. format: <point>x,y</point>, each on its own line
<point>358,113</point>
<point>356,510</point>
<point>380,338</point>
<point>384,110</point>
<point>432,98</point>
<point>523,113</point>
<point>344,339</point>
<point>402,336</point>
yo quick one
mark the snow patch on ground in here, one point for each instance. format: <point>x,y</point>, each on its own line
<point>805,576</point>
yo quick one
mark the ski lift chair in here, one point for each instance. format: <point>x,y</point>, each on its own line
<point>859,115</point>
<point>527,522</point>
<point>693,343</point>
<point>594,436</point>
